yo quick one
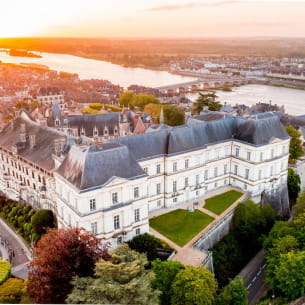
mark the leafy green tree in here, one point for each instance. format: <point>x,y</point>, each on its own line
<point>299,207</point>
<point>146,243</point>
<point>290,274</point>
<point>233,294</point>
<point>142,100</point>
<point>194,286</point>
<point>165,274</point>
<point>206,100</point>
<point>122,280</point>
<point>293,182</point>
<point>126,98</point>
<point>173,116</point>
<point>42,220</point>
<point>154,110</point>
<point>295,148</point>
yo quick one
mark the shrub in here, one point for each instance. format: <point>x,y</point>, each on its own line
<point>13,291</point>
<point>5,270</point>
<point>42,220</point>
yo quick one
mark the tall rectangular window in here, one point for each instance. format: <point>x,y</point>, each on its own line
<point>237,152</point>
<point>186,163</point>
<point>94,228</point>
<point>116,222</point>
<point>136,192</point>
<point>137,215</point>
<point>248,155</point>
<point>158,188</point>
<point>206,174</point>
<point>261,156</point>
<point>186,182</point>
<point>138,231</point>
<point>114,198</point>
<point>215,171</point>
<point>271,170</point>
<point>174,166</point>
<point>145,169</point>
<point>247,173</point>
<point>158,169</point>
<point>92,205</point>
<point>260,174</point>
<point>174,186</point>
<point>225,169</point>
<point>197,179</point>
<point>235,169</point>
<point>272,153</point>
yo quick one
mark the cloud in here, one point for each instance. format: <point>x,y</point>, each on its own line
<point>170,7</point>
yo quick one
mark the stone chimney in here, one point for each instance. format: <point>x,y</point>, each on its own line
<point>32,141</point>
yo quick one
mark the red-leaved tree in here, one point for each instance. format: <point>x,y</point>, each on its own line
<point>59,256</point>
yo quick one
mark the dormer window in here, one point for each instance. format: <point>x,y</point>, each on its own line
<point>106,131</point>
<point>56,122</point>
<point>95,131</point>
<point>82,132</point>
<point>115,131</point>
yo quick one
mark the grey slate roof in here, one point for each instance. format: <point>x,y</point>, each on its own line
<point>41,154</point>
<point>91,167</point>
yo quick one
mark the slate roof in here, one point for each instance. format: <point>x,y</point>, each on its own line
<point>91,167</point>
<point>41,154</point>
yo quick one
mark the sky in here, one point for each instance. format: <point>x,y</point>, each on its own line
<point>152,18</point>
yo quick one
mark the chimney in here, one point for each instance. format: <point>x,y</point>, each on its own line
<point>22,133</point>
<point>32,141</point>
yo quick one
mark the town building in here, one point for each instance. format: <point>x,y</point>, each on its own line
<point>111,189</point>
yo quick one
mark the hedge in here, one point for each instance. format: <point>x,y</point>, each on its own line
<point>5,270</point>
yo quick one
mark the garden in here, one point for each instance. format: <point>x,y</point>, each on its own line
<point>180,225</point>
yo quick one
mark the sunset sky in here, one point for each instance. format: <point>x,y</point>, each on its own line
<point>151,18</point>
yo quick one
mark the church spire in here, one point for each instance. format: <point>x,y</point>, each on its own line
<point>161,119</point>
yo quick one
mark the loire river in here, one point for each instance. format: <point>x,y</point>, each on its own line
<point>90,68</point>
<point>292,99</point>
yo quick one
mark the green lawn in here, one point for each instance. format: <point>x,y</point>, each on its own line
<point>180,226</point>
<point>219,203</point>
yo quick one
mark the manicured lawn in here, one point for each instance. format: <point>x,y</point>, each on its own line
<point>180,226</point>
<point>219,203</point>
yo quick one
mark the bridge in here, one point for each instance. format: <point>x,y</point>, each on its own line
<point>203,84</point>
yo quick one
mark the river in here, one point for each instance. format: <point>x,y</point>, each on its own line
<point>292,99</point>
<point>90,68</point>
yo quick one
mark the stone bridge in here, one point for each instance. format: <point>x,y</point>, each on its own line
<point>203,84</point>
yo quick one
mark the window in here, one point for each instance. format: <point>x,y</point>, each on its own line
<point>186,182</point>
<point>197,179</point>
<point>158,168</point>
<point>174,186</point>
<point>215,171</point>
<point>235,169</point>
<point>237,152</point>
<point>225,169</point>
<point>137,215</point>
<point>248,155</point>
<point>120,240</point>
<point>206,174</point>
<point>158,203</point>
<point>271,170</point>
<point>92,205</point>
<point>145,169</point>
<point>136,192</point>
<point>158,188</point>
<point>114,198</point>
<point>94,228</point>
<point>247,173</point>
<point>175,199</point>
<point>261,156</point>
<point>174,166</point>
<point>116,222</point>
<point>76,204</point>
<point>227,151</point>
<point>260,174</point>
<point>272,153</point>
<point>283,150</point>
<point>138,231</point>
<point>186,163</point>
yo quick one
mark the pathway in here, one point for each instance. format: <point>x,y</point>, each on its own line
<point>188,255</point>
<point>21,254</point>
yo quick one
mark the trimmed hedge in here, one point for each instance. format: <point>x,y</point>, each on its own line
<point>14,291</point>
<point>5,270</point>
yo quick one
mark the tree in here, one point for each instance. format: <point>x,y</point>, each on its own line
<point>299,207</point>
<point>290,274</point>
<point>194,286</point>
<point>173,116</point>
<point>146,243</point>
<point>165,274</point>
<point>154,110</point>
<point>122,280</point>
<point>293,182</point>
<point>295,148</point>
<point>206,100</point>
<point>42,220</point>
<point>142,100</point>
<point>59,256</point>
<point>126,98</point>
<point>233,294</point>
